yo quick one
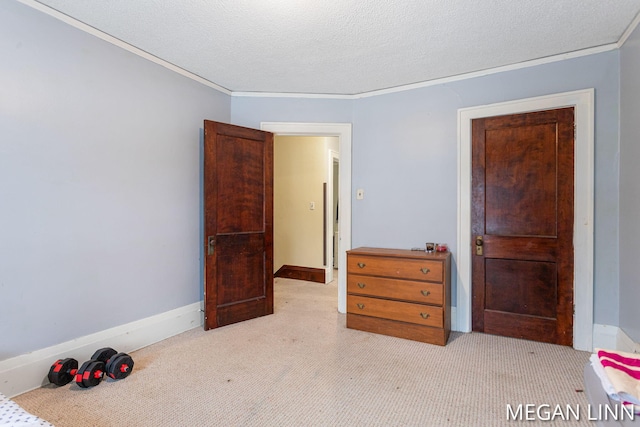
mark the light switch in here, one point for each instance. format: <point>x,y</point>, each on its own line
<point>312,205</point>
<point>359,194</point>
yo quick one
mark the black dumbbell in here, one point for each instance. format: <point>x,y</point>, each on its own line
<point>117,365</point>
<point>106,360</point>
<point>63,371</point>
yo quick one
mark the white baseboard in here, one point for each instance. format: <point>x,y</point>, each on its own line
<point>29,371</point>
<point>612,337</point>
<point>625,343</point>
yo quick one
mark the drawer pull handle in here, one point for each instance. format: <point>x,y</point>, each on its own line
<point>425,270</point>
<point>361,285</point>
<point>424,315</point>
<point>361,264</point>
<point>360,306</point>
<point>425,293</point>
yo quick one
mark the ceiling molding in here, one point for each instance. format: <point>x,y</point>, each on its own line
<point>465,76</point>
<point>291,95</point>
<point>525,64</point>
<point>630,29</point>
<point>119,43</point>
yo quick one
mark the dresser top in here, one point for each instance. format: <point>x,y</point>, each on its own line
<point>400,253</point>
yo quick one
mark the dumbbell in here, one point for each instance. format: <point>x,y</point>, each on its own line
<point>106,360</point>
<point>64,371</point>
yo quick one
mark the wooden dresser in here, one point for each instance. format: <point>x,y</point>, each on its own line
<point>400,292</point>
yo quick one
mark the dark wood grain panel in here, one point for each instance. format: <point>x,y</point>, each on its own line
<point>308,274</point>
<point>522,208</point>
<point>522,287</point>
<point>525,248</point>
<point>238,221</point>
<point>240,185</point>
<point>518,326</point>
<point>520,181</point>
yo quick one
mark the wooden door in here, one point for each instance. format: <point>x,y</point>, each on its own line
<point>238,224</point>
<point>522,222</point>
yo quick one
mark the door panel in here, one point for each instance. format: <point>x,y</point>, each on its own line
<point>521,287</point>
<point>520,174</point>
<point>522,208</point>
<point>243,254</point>
<point>238,217</point>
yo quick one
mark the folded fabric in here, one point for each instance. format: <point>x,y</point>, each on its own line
<point>622,371</point>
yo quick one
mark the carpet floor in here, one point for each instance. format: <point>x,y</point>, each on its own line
<point>302,367</point>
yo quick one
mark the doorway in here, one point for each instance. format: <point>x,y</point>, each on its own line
<point>343,132</point>
<point>304,214</point>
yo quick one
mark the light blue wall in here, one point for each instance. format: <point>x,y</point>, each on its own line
<point>630,186</point>
<point>405,154</point>
<point>100,174</point>
<point>251,111</point>
<point>99,183</point>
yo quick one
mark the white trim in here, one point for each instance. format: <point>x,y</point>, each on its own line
<point>630,29</point>
<point>292,95</point>
<point>121,44</point>
<point>29,371</point>
<point>614,338</point>
<point>625,343</point>
<point>605,336</point>
<point>343,132</point>
<point>583,101</point>
<point>331,157</point>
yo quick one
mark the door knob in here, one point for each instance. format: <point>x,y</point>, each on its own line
<point>211,245</point>
<point>479,243</point>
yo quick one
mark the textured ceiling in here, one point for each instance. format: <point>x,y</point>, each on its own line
<point>350,46</point>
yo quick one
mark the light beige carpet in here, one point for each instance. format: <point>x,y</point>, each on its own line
<point>302,367</point>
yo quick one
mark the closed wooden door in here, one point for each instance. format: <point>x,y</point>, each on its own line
<point>522,225</point>
<point>238,224</point>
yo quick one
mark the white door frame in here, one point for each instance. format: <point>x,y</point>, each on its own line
<point>343,132</point>
<point>583,102</point>
<point>329,213</point>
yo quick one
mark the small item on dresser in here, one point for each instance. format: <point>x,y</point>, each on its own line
<point>442,247</point>
<point>429,247</point>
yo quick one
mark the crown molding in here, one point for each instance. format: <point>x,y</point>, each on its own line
<point>630,29</point>
<point>434,82</point>
<point>520,65</point>
<point>119,43</point>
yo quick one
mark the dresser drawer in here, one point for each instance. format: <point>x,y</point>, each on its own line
<point>422,292</point>
<point>425,315</point>
<point>413,269</point>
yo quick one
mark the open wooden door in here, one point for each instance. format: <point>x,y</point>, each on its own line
<point>238,224</point>
<point>522,225</point>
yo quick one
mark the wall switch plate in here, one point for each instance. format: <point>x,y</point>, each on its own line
<point>359,194</point>
<point>312,205</point>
